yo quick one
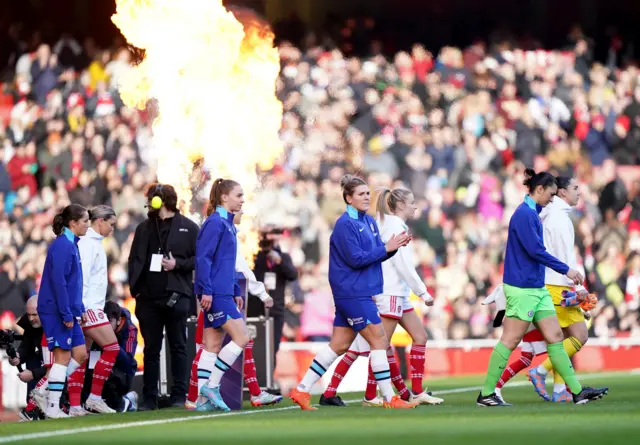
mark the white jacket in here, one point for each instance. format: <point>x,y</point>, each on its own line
<point>399,272</point>
<point>255,287</point>
<point>94,270</point>
<point>559,239</point>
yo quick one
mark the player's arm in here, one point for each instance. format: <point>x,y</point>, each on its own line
<point>345,238</point>
<point>403,263</point>
<point>380,242</point>
<point>534,245</point>
<point>255,287</point>
<point>61,267</point>
<point>206,247</point>
<point>87,259</point>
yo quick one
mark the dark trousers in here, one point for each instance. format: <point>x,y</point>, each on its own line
<point>278,326</point>
<point>154,317</point>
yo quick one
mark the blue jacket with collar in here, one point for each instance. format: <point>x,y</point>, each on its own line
<point>216,250</point>
<point>526,256</point>
<point>356,253</point>
<point>61,285</point>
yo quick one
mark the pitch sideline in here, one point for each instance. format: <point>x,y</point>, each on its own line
<point>141,423</point>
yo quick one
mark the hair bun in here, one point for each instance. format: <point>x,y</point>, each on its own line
<point>346,179</point>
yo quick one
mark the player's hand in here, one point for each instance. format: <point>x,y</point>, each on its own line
<point>169,264</point>
<point>15,361</point>
<point>68,324</point>
<point>582,295</point>
<point>239,302</point>
<point>205,302</point>
<point>428,299</point>
<point>575,276</point>
<point>268,302</point>
<point>397,241</point>
<point>26,376</point>
<point>84,319</point>
<point>587,315</point>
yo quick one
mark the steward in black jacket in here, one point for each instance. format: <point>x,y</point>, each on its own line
<point>161,265</point>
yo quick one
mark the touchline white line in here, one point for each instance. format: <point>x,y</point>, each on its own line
<point>116,426</point>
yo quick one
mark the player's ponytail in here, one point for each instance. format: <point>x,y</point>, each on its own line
<point>388,200</point>
<point>58,224</point>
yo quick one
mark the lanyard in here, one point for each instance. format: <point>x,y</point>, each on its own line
<point>162,241</point>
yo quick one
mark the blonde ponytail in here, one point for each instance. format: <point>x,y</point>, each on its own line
<point>382,203</point>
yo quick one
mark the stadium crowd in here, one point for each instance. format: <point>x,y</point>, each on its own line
<point>457,128</point>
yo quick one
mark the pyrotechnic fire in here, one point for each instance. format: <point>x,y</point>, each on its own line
<point>213,75</point>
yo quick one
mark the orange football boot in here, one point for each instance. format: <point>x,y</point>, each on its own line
<point>302,399</point>
<point>398,403</point>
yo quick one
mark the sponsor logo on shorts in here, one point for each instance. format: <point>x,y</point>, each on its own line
<point>530,313</point>
<point>210,317</point>
<point>68,341</point>
<point>217,315</point>
<point>355,321</point>
<point>100,315</point>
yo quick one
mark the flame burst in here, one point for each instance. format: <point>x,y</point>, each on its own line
<point>213,74</point>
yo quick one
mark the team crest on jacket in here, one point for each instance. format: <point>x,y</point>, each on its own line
<point>373,229</point>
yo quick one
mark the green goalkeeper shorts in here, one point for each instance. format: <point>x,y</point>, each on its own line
<point>525,303</point>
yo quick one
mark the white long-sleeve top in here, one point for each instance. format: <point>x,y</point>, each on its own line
<point>399,272</point>
<point>559,239</point>
<point>94,270</point>
<point>255,287</point>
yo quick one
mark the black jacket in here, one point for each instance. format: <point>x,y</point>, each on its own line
<point>181,242</point>
<point>30,349</point>
<point>285,271</point>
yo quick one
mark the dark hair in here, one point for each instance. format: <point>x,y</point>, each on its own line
<point>165,192</point>
<point>388,200</point>
<point>101,212</point>
<point>72,212</point>
<point>563,182</point>
<point>348,183</point>
<point>220,187</point>
<point>533,179</point>
<point>112,310</point>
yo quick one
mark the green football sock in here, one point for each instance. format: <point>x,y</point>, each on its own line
<point>563,366</point>
<point>497,363</point>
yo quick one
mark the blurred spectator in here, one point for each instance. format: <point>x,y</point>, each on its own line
<point>457,127</point>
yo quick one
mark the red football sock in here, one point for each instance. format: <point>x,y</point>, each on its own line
<point>103,368</point>
<point>514,368</point>
<point>250,373</point>
<point>193,379</point>
<point>75,382</point>
<point>341,370</point>
<point>372,385</point>
<point>416,361</point>
<point>396,377</point>
<point>41,382</point>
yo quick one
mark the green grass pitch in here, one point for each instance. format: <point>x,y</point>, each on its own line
<point>611,421</point>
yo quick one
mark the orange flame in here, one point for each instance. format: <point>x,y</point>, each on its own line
<point>213,74</point>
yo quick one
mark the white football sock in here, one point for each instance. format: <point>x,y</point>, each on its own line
<point>205,367</point>
<point>380,368</point>
<point>322,361</point>
<point>57,378</point>
<point>224,362</point>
